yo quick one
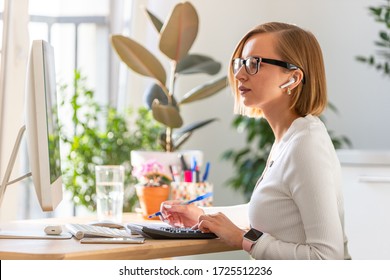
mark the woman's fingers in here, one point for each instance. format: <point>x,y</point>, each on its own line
<point>222,227</point>
<point>210,222</point>
<point>180,215</point>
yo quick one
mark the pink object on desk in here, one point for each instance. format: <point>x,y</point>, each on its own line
<point>187,176</point>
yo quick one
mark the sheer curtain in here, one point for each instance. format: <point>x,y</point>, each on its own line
<point>13,67</point>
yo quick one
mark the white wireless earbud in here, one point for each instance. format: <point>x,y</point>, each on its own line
<point>290,82</point>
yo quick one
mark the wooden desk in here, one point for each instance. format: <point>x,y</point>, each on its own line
<point>72,249</point>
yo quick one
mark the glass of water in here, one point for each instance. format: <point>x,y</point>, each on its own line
<point>109,192</point>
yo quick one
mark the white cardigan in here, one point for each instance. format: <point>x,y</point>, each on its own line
<point>298,202</point>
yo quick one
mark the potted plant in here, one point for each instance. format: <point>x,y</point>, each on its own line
<point>153,186</point>
<point>381,62</point>
<point>177,34</point>
<point>99,135</point>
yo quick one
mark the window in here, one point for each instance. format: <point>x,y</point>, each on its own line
<point>79,32</point>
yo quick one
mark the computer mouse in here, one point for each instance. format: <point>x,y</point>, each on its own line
<point>53,229</point>
<point>109,224</point>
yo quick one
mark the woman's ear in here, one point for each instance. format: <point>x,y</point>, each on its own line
<point>298,76</point>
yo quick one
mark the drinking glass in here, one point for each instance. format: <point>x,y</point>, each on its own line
<point>109,192</point>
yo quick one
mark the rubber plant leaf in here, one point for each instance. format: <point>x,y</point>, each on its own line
<point>204,91</point>
<point>179,32</point>
<point>196,63</point>
<point>193,126</point>
<point>155,92</point>
<point>138,58</point>
<point>157,23</point>
<point>166,114</point>
<point>180,140</point>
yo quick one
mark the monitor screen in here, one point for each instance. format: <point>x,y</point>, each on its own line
<point>42,128</point>
<point>53,129</point>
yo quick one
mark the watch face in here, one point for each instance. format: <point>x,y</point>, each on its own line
<point>253,234</point>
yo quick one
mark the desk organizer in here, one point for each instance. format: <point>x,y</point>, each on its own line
<point>187,191</point>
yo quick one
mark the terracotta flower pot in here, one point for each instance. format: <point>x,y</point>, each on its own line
<point>150,198</point>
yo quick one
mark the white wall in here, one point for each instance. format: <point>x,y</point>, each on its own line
<point>344,30</point>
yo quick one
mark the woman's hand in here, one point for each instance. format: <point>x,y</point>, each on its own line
<point>224,228</point>
<point>178,215</point>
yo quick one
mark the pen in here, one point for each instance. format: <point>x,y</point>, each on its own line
<point>195,171</point>
<point>206,172</point>
<point>198,198</point>
<point>183,162</point>
<point>172,173</point>
<point>175,173</point>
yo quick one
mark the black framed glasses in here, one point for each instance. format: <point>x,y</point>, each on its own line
<point>252,64</point>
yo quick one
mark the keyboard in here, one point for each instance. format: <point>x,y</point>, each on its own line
<point>82,230</point>
<point>167,232</point>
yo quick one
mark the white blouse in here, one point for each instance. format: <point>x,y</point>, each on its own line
<point>298,202</point>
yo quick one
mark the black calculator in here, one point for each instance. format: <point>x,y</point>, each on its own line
<point>156,231</point>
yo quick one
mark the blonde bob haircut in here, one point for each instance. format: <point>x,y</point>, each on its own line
<point>296,46</point>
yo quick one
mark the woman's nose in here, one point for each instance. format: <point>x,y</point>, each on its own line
<point>241,73</point>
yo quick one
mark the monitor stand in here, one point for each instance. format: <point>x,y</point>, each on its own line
<point>5,182</point>
<point>25,234</point>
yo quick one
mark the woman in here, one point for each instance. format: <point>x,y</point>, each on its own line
<point>296,209</point>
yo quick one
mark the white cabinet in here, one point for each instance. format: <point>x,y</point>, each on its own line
<point>366,188</point>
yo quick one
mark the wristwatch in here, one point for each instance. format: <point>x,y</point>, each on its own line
<point>250,239</point>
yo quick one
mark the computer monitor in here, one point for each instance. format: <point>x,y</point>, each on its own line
<point>42,129</point>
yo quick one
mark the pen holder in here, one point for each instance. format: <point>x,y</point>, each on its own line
<point>186,191</point>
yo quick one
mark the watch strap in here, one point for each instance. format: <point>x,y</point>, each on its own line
<point>247,245</point>
<point>250,238</point>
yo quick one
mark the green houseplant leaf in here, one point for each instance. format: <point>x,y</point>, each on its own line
<point>166,114</point>
<point>204,91</point>
<point>381,60</point>
<point>138,58</point>
<point>155,92</point>
<point>157,23</point>
<point>196,63</point>
<point>179,32</point>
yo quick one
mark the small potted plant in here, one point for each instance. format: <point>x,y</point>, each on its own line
<point>153,186</point>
